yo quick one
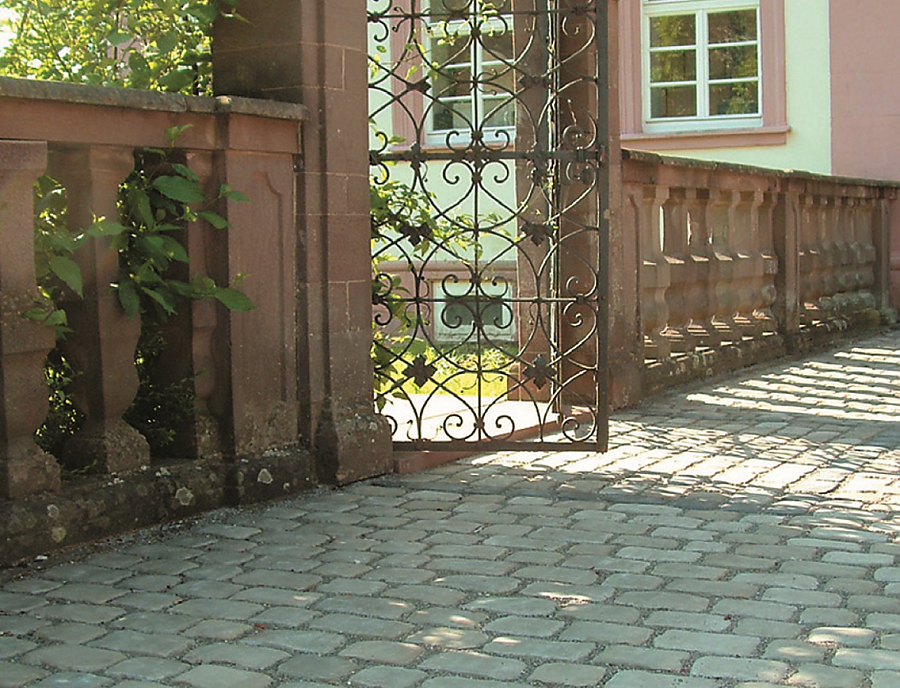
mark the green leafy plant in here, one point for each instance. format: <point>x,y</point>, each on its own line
<point>63,418</point>
<point>156,201</point>
<point>158,409</point>
<point>54,250</point>
<point>161,45</point>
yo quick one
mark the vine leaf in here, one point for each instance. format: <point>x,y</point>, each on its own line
<point>234,300</point>
<point>68,271</point>
<point>179,189</point>
<point>172,133</point>
<point>106,228</point>
<point>129,299</point>
<point>166,304</point>
<point>227,192</point>
<point>214,219</point>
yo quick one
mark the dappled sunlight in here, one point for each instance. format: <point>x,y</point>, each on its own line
<point>794,436</point>
<point>858,384</point>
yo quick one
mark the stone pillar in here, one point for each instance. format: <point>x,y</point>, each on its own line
<point>656,274</point>
<point>531,40</point>
<point>624,347</point>
<point>314,53</point>
<point>584,129</point>
<point>24,344</point>
<point>256,351</point>
<point>102,344</point>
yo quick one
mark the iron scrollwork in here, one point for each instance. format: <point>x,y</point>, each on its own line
<point>488,236</point>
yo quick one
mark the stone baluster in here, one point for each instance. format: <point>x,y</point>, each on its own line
<point>675,252</point>
<point>723,271</point>
<point>741,231</point>
<point>24,344</point>
<point>102,345</point>
<point>831,229</point>
<point>749,265</point>
<point>700,298</point>
<point>786,226</point>
<point>865,227</point>
<point>847,211</point>
<point>860,218</point>
<point>655,274</point>
<point>862,261</point>
<point>811,286</point>
<point>860,271</point>
<point>765,291</point>
<point>188,335</point>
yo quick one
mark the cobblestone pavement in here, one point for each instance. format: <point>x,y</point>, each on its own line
<point>738,535</point>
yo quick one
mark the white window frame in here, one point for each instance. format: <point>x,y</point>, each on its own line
<point>496,134</point>
<point>702,121</point>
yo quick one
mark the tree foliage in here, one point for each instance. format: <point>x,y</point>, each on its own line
<point>161,45</point>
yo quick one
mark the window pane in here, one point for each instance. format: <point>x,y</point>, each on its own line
<point>673,101</point>
<point>672,30</point>
<point>452,115</point>
<point>733,63</point>
<point>450,49</point>
<point>499,112</point>
<point>731,27</point>
<point>453,82</point>
<point>734,99</point>
<point>673,65</point>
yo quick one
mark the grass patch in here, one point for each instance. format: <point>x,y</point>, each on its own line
<point>456,371</point>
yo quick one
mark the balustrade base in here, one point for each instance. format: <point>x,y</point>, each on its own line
<point>657,347</point>
<point>680,339</point>
<point>28,471</point>
<point>705,335</point>
<point>658,376</point>
<point>352,445</point>
<point>95,507</point>
<point>118,448</point>
<point>200,440</point>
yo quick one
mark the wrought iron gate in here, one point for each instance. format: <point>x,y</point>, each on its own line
<point>488,232</point>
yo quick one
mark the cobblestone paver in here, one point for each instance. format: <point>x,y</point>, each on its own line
<point>740,534</point>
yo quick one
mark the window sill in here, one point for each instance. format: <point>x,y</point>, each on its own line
<point>722,138</point>
<point>436,148</point>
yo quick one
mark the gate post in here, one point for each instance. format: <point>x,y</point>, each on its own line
<point>587,125</point>
<point>623,259</point>
<point>314,53</point>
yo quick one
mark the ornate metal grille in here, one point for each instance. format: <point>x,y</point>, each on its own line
<point>488,232</point>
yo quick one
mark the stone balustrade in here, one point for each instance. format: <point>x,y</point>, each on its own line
<point>711,267</point>
<point>242,366</point>
<point>742,262</point>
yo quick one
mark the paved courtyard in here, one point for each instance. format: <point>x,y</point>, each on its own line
<point>741,534</point>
